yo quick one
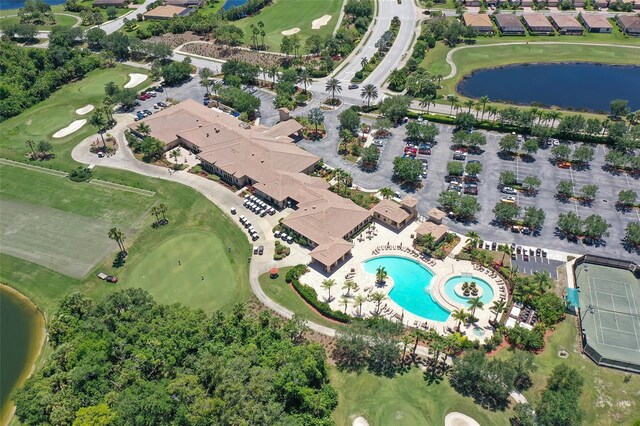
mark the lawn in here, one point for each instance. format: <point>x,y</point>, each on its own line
<point>61,21</point>
<point>284,15</point>
<point>606,398</point>
<point>282,293</point>
<point>42,120</point>
<point>404,400</point>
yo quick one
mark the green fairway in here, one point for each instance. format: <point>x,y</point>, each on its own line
<point>61,21</point>
<point>404,400</point>
<point>284,15</point>
<point>606,398</point>
<point>201,254</point>
<point>42,120</point>
<point>279,291</point>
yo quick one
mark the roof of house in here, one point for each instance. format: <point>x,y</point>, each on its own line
<point>284,129</point>
<point>330,252</point>
<point>328,217</point>
<point>477,20</point>
<point>96,2</point>
<point>628,21</point>
<point>565,21</point>
<point>184,2</point>
<point>508,20</point>
<point>391,210</point>
<point>296,186</point>
<point>437,214</point>
<point>596,21</point>
<point>167,11</point>
<point>409,202</point>
<point>438,231</point>
<point>537,20</point>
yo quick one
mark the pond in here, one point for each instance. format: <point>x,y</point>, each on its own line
<point>17,4</point>
<point>233,3</point>
<point>578,86</point>
<point>21,328</point>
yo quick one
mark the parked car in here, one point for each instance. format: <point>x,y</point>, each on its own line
<point>471,189</point>
<point>508,200</point>
<point>509,190</point>
<point>147,112</point>
<point>564,165</point>
<point>260,250</point>
<point>353,86</point>
<point>162,104</point>
<point>111,279</point>
<point>494,246</point>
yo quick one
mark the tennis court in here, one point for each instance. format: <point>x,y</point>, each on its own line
<point>610,314</point>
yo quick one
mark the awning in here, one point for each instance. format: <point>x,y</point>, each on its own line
<point>274,271</point>
<point>572,298</point>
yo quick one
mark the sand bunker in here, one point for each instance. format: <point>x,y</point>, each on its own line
<point>292,31</point>
<point>320,22</point>
<point>73,127</point>
<point>134,80</point>
<point>459,419</point>
<point>85,109</point>
<point>360,421</point>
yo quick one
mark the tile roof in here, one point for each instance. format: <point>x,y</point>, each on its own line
<point>390,210</point>
<point>596,21</point>
<point>565,21</point>
<point>508,20</point>
<point>330,252</point>
<point>537,20</point>
<point>629,22</point>
<point>165,11</point>
<point>436,214</point>
<point>477,20</point>
<point>438,231</point>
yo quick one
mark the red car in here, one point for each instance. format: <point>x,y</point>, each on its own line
<point>111,279</point>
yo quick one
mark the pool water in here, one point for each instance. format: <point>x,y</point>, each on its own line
<point>411,283</point>
<point>450,290</point>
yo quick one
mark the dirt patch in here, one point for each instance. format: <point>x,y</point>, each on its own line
<point>292,31</point>
<point>320,22</point>
<point>219,51</point>
<point>175,40</point>
<point>71,128</point>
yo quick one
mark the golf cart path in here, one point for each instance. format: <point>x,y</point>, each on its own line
<point>454,69</point>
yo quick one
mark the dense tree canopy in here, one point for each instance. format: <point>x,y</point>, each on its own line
<point>132,361</point>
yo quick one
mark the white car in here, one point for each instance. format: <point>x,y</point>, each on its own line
<point>509,190</point>
<point>508,200</point>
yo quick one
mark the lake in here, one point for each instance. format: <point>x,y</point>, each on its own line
<point>20,338</point>
<point>17,4</point>
<point>575,86</point>
<point>233,3</point>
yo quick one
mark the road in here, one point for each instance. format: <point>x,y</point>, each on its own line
<point>116,24</point>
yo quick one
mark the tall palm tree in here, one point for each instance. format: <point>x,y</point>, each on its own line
<point>377,297</point>
<point>505,249</point>
<point>349,285</point>
<point>386,192</point>
<point>418,335</point>
<point>474,303</point>
<point>262,32</point>
<point>118,236</point>
<point>542,280</point>
<point>381,274</point>
<point>216,86</point>
<point>459,315</point>
<point>304,78</point>
<point>451,346</point>
<point>327,284</point>
<point>405,339</point>
<point>427,101</point>
<point>453,99</point>
<point>492,110</point>
<point>32,146</point>
<point>273,74</point>
<point>369,92</point>
<point>474,239</point>
<point>438,78</point>
<point>483,101</point>
<point>333,86</point>
<point>345,302</point>
<point>98,120</point>
<point>364,62</point>
<point>358,301</point>
<point>162,209</point>
<point>205,74</point>
<point>154,211</point>
<point>469,103</point>
<point>143,129</point>
<point>108,103</point>
<point>498,307</point>
<point>553,116</point>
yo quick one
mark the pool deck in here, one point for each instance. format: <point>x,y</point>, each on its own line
<point>383,241</point>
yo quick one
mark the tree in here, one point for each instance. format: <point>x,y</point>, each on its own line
<point>474,303</point>
<point>565,189</point>
<point>205,74</point>
<point>176,72</point>
<point>473,240</point>
<point>559,402</point>
<point>550,308</point>
<point>349,285</point>
<point>506,213</point>
<point>533,218</point>
<point>632,234</point>
<point>316,117</point>
<point>99,121</point>
<point>351,349</point>
<point>349,120</point>
<point>118,236</point>
<point>304,78</point>
<point>143,128</point>
<point>619,108</point>
<point>381,275</point>
<point>333,85</point>
<point>616,159</point>
<point>175,154</point>
<point>395,108</point>
<point>509,143</point>
<point>531,184</point>
<point>369,92</point>
<point>327,284</point>
<point>94,37</point>
<point>31,144</point>
<point>96,415</point>
<point>370,157</point>
<point>387,192</point>
<point>627,197</point>
<point>498,307</point>
<point>358,301</point>
<point>473,169</point>
<point>583,154</point>
<point>407,170</point>
<point>530,146</point>
<point>45,148</point>
<point>426,102</point>
<point>507,178</point>
<point>465,120</point>
<point>595,227</point>
<point>455,168</point>
<point>460,315</point>
<point>152,149</point>
<point>424,132</point>
<point>570,224</point>
<point>561,152</point>
<point>588,192</point>
<point>345,302</point>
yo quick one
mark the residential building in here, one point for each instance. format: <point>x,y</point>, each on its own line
<point>629,25</point>
<point>436,215</point>
<point>566,24</point>
<point>185,3</point>
<point>596,23</point>
<point>109,3</point>
<point>538,24</point>
<point>167,12</point>
<point>395,215</point>
<point>472,3</point>
<point>481,22</point>
<point>437,231</point>
<point>509,24</point>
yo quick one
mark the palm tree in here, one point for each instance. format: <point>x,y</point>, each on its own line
<point>175,154</point>
<point>381,274</point>
<point>429,241</point>
<point>349,285</point>
<point>108,103</point>
<point>438,78</point>
<point>498,307</point>
<point>344,301</point>
<point>358,301</point>
<point>263,33</point>
<point>460,315</point>
<point>505,249</point>
<point>492,110</point>
<point>156,213</point>
<point>327,284</point>
<point>364,62</point>
<point>427,101</point>
<point>316,117</point>
<point>118,236</point>
<point>553,116</point>
<point>32,146</point>
<point>405,339</point>
<point>377,297</point>
<point>453,99</point>
<point>473,240</point>
<point>342,177</point>
<point>143,129</point>
<point>369,92</point>
<point>304,78</point>
<point>98,120</point>
<point>474,303</point>
<point>273,74</point>
<point>333,86</point>
<point>451,345</point>
<point>483,101</point>
<point>417,334</point>
<point>469,103</point>
<point>542,280</point>
<point>205,74</point>
<point>162,209</point>
<point>386,192</point>
<point>513,271</point>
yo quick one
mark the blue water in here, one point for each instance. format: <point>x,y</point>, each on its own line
<point>576,86</point>
<point>17,4</point>
<point>411,286</point>
<point>450,286</point>
<point>233,3</point>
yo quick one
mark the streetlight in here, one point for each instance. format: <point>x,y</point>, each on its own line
<point>590,309</point>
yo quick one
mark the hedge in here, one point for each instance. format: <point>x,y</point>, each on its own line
<point>311,296</point>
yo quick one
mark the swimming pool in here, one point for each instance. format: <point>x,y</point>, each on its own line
<point>450,286</point>
<point>411,286</point>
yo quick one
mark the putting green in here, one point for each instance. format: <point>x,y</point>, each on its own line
<point>200,254</point>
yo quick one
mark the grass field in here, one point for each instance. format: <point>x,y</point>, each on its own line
<point>61,21</point>
<point>282,293</point>
<point>606,398</point>
<point>405,400</point>
<point>42,120</point>
<point>284,15</point>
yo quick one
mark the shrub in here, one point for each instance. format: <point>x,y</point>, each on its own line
<point>311,297</point>
<point>81,174</point>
